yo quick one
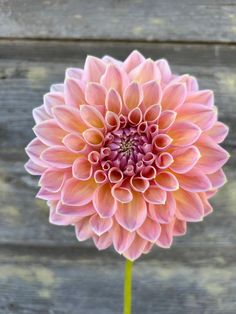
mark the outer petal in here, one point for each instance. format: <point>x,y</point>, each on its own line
<point>113,101</point>
<point>93,69</point>
<point>40,114</point>
<point>82,169</point>
<point>33,168</point>
<point>150,230</point>
<point>136,248</point>
<point>213,157</point>
<point>165,70</point>
<point>92,117</point>
<point>201,115</point>
<point>83,229</point>
<point>180,227</point>
<point>155,195</point>
<point>163,213</point>
<point>185,159</point>
<point>218,132</point>
<point>74,92</point>
<point>100,225</point>
<point>133,60</point>
<point>166,237</point>
<point>151,93</point>
<point>122,238</point>
<point>189,206</point>
<point>132,96</point>
<point>34,150</point>
<point>52,179</point>
<point>49,132</point>
<point>205,97</point>
<point>184,133</point>
<point>59,157</point>
<point>78,193</point>
<point>132,215</point>
<point>103,201</point>
<point>53,99</point>
<point>194,181</point>
<point>95,94</point>
<point>77,211</point>
<point>102,242</point>
<point>218,179</point>
<point>146,71</point>
<point>173,96</point>
<point>167,181</point>
<point>69,119</point>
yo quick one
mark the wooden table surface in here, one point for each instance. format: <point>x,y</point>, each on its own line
<point>43,269</point>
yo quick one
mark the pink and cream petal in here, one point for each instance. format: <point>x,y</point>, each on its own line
<point>49,132</point>
<point>133,214</point>
<point>218,132</point>
<point>189,206</point>
<point>94,68</point>
<point>163,213</point>
<point>74,92</point>
<point>174,96</point>
<point>167,181</point>
<point>104,202</point>
<point>184,133</point>
<point>151,93</point>
<point>133,96</point>
<point>136,249</point>
<point>82,169</point>
<point>95,94</point>
<point>150,230</point>
<point>59,157</point>
<point>155,195</point>
<point>185,159</point>
<point>100,225</point>
<point>83,229</point>
<point>78,193</point>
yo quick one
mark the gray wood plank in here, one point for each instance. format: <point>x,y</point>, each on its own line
<point>147,20</point>
<point>26,71</point>
<point>41,282</point>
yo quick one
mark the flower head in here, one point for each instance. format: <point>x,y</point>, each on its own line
<point>127,152</point>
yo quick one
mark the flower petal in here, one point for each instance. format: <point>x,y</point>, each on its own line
<point>69,119</point>
<point>155,195</point>
<point>33,168</point>
<point>95,94</point>
<point>184,133</point>
<point>136,248</point>
<point>150,230</point>
<point>173,96</point>
<point>152,113</point>
<point>163,213</point>
<point>194,181</point>
<point>121,194</point>
<point>204,97</point>
<point>100,225</point>
<point>139,184</point>
<point>113,101</point>
<point>92,117</point>
<point>166,236</point>
<point>185,159</point>
<point>132,215</point>
<point>49,132</point>
<point>122,238</point>
<point>93,69</point>
<point>132,96</point>
<point>52,99</point>
<point>52,179</point>
<point>189,206</point>
<point>78,193</point>
<point>77,211</point>
<point>93,137</point>
<point>146,71</point>
<point>74,92</point>
<point>102,242</point>
<point>201,115</point>
<point>82,169</point>
<point>103,201</point>
<point>213,157</point>
<point>165,70</point>
<point>74,142</point>
<point>180,227</point>
<point>114,78</point>
<point>167,118</point>
<point>133,60</point>
<point>167,181</point>
<point>218,179</point>
<point>34,150</point>
<point>151,93</point>
<point>218,132</point>
<point>40,114</point>
<point>83,229</point>
<point>59,157</point>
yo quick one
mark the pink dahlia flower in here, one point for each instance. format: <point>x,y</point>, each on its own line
<point>127,152</point>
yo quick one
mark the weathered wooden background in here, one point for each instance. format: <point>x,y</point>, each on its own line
<point>43,269</point>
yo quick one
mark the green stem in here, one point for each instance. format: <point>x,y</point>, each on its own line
<point>128,287</point>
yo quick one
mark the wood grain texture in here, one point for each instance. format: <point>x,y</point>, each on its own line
<point>47,282</point>
<point>147,20</point>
